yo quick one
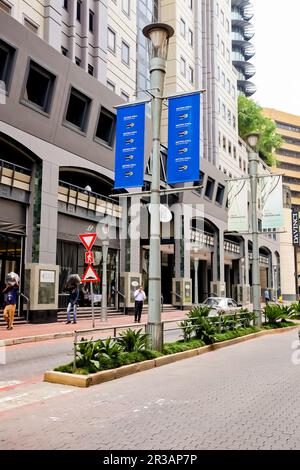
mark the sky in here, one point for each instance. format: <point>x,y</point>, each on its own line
<point>277,59</point>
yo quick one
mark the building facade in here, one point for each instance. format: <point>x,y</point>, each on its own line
<point>58,138</point>
<point>288,163</point>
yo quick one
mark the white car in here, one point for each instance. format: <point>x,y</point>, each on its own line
<point>221,305</point>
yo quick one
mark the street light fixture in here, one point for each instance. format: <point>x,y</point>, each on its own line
<point>158,35</point>
<point>252,140</point>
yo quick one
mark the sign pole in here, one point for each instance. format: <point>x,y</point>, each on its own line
<point>92,300</point>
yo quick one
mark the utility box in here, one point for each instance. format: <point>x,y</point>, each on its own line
<point>41,288</point>
<point>241,293</point>
<point>182,292</point>
<point>218,289</point>
<point>129,282</point>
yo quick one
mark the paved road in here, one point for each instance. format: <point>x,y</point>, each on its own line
<point>242,397</point>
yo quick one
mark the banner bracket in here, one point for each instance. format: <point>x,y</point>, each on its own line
<point>162,191</point>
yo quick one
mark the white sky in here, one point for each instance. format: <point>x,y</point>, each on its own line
<point>277,59</point>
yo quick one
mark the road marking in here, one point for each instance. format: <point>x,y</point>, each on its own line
<point>9,383</point>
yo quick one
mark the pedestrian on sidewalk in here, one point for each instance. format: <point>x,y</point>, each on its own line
<point>10,301</point>
<point>267,297</point>
<point>139,297</point>
<point>72,286</point>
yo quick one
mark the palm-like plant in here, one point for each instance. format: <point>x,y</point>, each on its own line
<point>188,328</point>
<point>131,340</point>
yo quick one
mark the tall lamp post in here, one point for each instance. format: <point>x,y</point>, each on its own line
<point>158,35</point>
<point>253,173</point>
<point>104,236</point>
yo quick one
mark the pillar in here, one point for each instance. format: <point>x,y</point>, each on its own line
<point>52,30</point>
<point>100,35</point>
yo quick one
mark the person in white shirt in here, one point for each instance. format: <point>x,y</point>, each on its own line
<point>139,297</point>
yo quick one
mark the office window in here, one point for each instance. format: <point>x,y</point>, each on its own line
<point>182,27</point>
<point>234,153</point>
<point>191,75</point>
<point>39,86</point>
<point>244,165</point>
<point>111,85</point>
<point>191,38</point>
<point>91,21</point>
<point>126,6</point>
<point>223,79</point>
<point>223,111</point>
<point>210,184</point>
<point>228,57</point>
<point>229,147</point>
<point>111,40</point>
<point>125,53</point>
<point>234,122</point>
<point>240,163</point>
<point>219,139</point>
<point>223,48</point>
<point>106,126</point>
<point>233,91</point>
<point>31,26</point>
<point>6,62</point>
<point>66,4</point>
<point>91,70</point>
<point>78,108</point>
<point>220,194</point>
<point>124,96</point>
<point>5,7</point>
<point>78,11</point>
<point>219,106</point>
<point>229,117</point>
<point>190,2</point>
<point>218,74</point>
<point>224,143</point>
<point>227,26</point>
<point>222,16</point>
<point>228,85</point>
<point>77,61</point>
<point>64,51</point>
<point>183,66</point>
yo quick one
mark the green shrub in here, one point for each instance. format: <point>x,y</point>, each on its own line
<point>236,333</point>
<point>274,313</point>
<point>131,340</point>
<point>187,328</point>
<point>199,311</point>
<point>180,346</point>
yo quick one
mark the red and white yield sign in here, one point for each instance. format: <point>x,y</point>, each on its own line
<point>88,240</point>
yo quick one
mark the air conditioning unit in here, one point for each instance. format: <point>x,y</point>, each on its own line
<point>218,289</point>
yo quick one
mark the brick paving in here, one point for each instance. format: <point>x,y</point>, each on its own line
<point>242,397</point>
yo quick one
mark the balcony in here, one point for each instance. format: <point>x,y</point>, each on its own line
<point>14,176</point>
<point>78,201</point>
<point>201,238</point>
<point>232,247</point>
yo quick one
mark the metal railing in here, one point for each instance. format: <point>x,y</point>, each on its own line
<point>240,319</point>
<point>27,305</point>
<point>123,297</point>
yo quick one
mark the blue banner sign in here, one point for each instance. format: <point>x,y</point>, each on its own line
<point>184,139</point>
<point>130,139</point>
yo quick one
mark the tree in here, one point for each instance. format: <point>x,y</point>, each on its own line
<point>251,119</point>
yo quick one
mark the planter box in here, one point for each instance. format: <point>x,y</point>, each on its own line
<point>106,375</point>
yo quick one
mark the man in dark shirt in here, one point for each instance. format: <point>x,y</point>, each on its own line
<point>10,301</point>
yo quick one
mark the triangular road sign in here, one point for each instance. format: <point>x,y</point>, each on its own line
<point>90,275</point>
<point>88,239</point>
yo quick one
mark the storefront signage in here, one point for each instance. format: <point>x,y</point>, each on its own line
<point>183,138</point>
<point>47,276</point>
<point>295,227</point>
<point>130,143</point>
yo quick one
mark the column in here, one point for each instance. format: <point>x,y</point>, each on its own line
<point>52,31</point>
<point>72,30</point>
<point>196,265</point>
<point>85,35</point>
<point>100,35</point>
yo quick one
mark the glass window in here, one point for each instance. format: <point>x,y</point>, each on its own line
<point>183,66</point>
<point>126,6</point>
<point>39,86</point>
<point>66,4</point>
<point>111,40</point>
<point>223,79</point>
<point>6,62</point>
<point>31,26</point>
<point>191,75</point>
<point>222,16</point>
<point>78,11</point>
<point>125,53</point>
<point>224,143</point>
<point>227,26</point>
<point>91,21</point>
<point>182,27</point>
<point>191,38</point>
<point>190,2</point>
<point>106,126</point>
<point>111,85</point>
<point>210,184</point>
<point>223,48</point>
<point>78,107</point>
<point>5,7</point>
<point>91,70</point>
<point>124,96</point>
<point>64,51</point>
<point>220,194</point>
<point>77,61</point>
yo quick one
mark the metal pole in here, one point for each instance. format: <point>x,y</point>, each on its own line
<point>92,300</point>
<point>157,76</point>
<point>196,264</point>
<point>253,167</point>
<point>104,281</point>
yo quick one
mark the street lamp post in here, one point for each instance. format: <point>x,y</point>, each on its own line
<point>104,235</point>
<point>253,173</point>
<point>158,34</point>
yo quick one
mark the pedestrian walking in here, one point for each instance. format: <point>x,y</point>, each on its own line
<point>10,299</point>
<point>267,297</point>
<point>72,286</point>
<point>139,297</point>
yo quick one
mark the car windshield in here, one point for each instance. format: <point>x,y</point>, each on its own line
<point>212,302</point>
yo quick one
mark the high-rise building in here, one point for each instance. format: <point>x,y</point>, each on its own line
<point>242,49</point>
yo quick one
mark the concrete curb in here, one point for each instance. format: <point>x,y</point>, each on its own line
<point>36,338</point>
<point>107,375</point>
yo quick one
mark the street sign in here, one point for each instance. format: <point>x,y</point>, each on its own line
<point>88,240</point>
<point>90,275</point>
<point>89,257</point>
